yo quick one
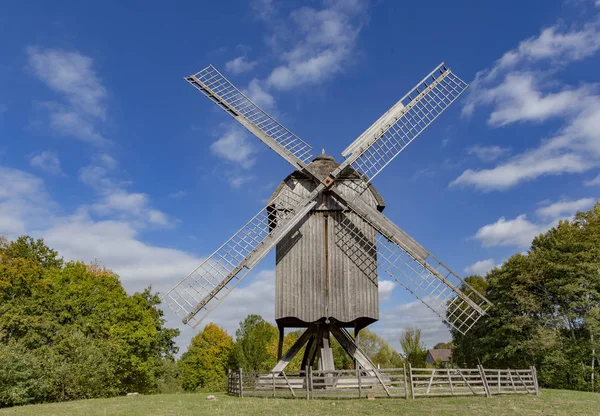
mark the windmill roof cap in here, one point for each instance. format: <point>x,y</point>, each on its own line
<point>323,157</point>
<point>322,166</point>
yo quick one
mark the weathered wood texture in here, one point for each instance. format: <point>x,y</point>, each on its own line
<point>394,382</point>
<point>324,269</point>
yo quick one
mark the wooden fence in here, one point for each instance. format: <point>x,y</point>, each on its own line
<point>406,382</point>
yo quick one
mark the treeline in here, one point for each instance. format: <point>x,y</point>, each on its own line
<point>546,308</point>
<point>70,331</point>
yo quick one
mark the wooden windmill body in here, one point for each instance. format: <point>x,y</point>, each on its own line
<point>323,278</point>
<point>331,239</point>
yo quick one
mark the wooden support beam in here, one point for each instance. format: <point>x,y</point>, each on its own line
<point>285,360</point>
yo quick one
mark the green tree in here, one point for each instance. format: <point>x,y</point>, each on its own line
<point>414,350</point>
<point>205,363</point>
<point>86,336</point>
<point>443,346</point>
<point>379,351</point>
<point>251,349</point>
<point>544,305</point>
<point>27,248</point>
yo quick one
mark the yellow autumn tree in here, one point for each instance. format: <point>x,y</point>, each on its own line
<point>205,363</point>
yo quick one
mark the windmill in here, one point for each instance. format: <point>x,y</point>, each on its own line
<point>331,239</point>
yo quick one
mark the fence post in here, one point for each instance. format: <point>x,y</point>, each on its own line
<point>359,383</point>
<point>241,380</point>
<point>310,379</point>
<point>405,382</point>
<point>412,387</point>
<point>535,380</point>
<point>273,377</point>
<point>228,381</point>
<point>484,379</point>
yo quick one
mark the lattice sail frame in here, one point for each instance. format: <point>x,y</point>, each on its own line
<point>397,128</point>
<point>196,295</point>
<point>218,89</point>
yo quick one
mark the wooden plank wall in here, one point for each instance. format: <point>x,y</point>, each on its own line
<point>404,382</point>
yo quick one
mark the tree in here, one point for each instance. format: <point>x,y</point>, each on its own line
<point>205,363</point>
<point>251,349</point>
<point>414,350</point>
<point>379,351</point>
<point>77,329</point>
<point>27,248</point>
<point>443,346</point>
<point>544,305</point>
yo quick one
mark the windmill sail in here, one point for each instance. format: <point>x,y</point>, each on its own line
<point>194,297</point>
<point>417,270</point>
<point>218,89</point>
<point>400,125</point>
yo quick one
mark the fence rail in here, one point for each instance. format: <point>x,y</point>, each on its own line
<point>406,382</point>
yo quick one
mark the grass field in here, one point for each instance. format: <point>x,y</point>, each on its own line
<point>550,402</point>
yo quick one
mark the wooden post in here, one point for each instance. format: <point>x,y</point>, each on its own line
<point>307,382</point>
<point>499,389</point>
<point>273,378</point>
<point>359,383</point>
<point>535,380</point>
<point>412,387</point>
<point>241,392</point>
<point>405,382</point>
<point>484,379</point>
<point>450,382</point>
<point>280,344</point>
<point>228,381</point>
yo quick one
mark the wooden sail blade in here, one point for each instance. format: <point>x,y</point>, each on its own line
<point>416,269</point>
<point>400,125</point>
<point>219,90</point>
<point>194,297</point>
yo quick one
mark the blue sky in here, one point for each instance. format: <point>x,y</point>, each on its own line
<point>108,154</point>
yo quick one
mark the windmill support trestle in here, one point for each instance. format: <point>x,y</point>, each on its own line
<point>316,338</point>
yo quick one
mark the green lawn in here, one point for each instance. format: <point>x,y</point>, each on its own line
<point>550,402</point>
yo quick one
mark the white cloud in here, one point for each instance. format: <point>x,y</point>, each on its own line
<point>327,38</point>
<point>565,208</point>
<point>239,65</point>
<point>47,161</point>
<point>524,167</point>
<point>516,232</point>
<point>73,124</point>
<point>24,201</point>
<point>481,267</point>
<point>234,147</point>
<point>385,289</point>
<point>520,231</point>
<point>126,205</point>
<point>71,75</point>
<point>177,194</point>
<point>487,153</point>
<point>263,9</point>
<point>259,95</point>
<point>114,200</point>
<point>593,182</point>
<point>519,91</point>
<point>115,244</point>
